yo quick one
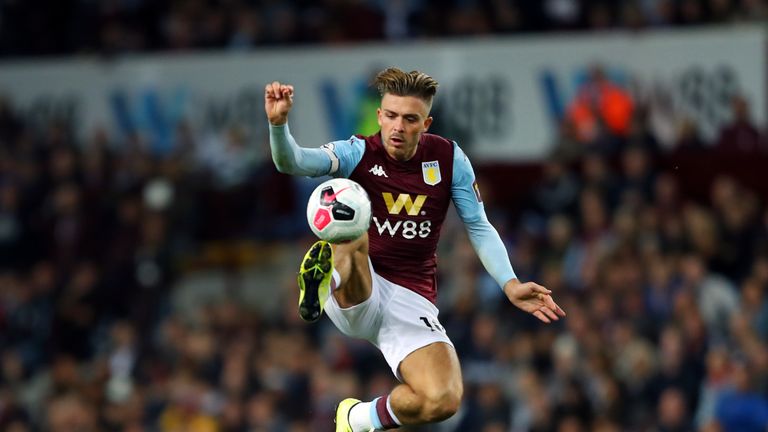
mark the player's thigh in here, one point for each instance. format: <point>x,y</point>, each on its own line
<point>433,371</point>
<point>352,263</point>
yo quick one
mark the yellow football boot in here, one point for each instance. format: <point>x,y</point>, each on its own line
<point>342,414</point>
<point>315,280</point>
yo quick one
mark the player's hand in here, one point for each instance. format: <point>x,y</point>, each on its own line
<point>278,100</point>
<point>534,299</point>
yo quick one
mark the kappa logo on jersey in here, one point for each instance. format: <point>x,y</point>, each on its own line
<point>377,170</point>
<point>431,172</point>
<point>412,207</point>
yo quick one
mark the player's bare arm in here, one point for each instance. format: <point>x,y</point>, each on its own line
<point>534,299</point>
<point>278,101</point>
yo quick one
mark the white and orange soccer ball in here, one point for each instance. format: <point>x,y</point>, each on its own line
<point>339,210</point>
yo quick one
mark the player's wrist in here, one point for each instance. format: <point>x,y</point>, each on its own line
<point>278,121</point>
<point>510,285</point>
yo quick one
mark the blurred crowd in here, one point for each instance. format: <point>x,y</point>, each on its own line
<point>55,27</point>
<point>145,292</point>
<point>156,292</point>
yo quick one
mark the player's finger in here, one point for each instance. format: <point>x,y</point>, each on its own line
<point>550,313</point>
<point>550,303</point>
<point>536,288</point>
<point>555,307</point>
<point>269,92</point>
<point>276,89</point>
<point>538,314</point>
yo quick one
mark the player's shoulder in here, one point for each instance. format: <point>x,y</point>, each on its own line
<point>436,146</point>
<point>437,140</point>
<point>372,142</point>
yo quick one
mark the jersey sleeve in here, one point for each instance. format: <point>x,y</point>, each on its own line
<point>289,158</point>
<point>337,158</point>
<point>345,155</point>
<point>483,236</point>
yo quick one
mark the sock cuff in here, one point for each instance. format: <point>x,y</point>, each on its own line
<point>392,413</point>
<point>383,411</point>
<point>375,416</point>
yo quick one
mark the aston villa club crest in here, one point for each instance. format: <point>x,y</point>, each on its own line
<point>431,172</point>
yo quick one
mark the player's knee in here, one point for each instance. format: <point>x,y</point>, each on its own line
<point>442,404</point>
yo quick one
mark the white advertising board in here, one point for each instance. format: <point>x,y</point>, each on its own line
<point>499,97</point>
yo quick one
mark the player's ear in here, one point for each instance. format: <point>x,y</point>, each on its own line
<point>378,116</point>
<point>427,123</point>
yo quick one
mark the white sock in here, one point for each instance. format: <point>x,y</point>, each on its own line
<point>360,417</point>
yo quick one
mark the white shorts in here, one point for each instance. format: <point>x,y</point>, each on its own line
<point>395,319</point>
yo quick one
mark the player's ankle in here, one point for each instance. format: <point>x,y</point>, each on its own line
<point>376,414</point>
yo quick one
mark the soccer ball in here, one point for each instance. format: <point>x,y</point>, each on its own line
<point>339,210</point>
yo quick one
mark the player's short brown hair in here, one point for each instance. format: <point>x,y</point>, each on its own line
<point>400,83</point>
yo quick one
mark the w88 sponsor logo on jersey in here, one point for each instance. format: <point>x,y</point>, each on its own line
<point>409,229</point>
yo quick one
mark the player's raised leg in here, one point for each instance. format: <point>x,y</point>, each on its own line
<point>341,270</point>
<point>354,274</point>
<point>431,392</point>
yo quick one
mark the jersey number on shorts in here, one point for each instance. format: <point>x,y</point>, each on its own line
<point>433,324</point>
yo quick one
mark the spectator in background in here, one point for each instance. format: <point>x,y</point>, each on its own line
<point>558,190</point>
<point>600,110</point>
<point>742,408</point>
<point>755,306</point>
<point>596,173</point>
<point>639,133</point>
<point>10,125</point>
<point>735,211</point>
<point>716,297</point>
<point>70,412</point>
<point>567,145</point>
<point>741,135</point>
<point>673,412</point>
<point>14,236</point>
<point>688,137</point>
<point>638,178</point>
<point>717,367</point>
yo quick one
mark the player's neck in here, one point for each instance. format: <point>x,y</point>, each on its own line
<point>403,157</point>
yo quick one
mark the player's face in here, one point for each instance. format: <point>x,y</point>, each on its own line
<point>402,119</point>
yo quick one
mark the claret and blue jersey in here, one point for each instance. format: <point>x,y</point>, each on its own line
<point>409,202</point>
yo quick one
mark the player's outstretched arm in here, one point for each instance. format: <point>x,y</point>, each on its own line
<point>534,299</point>
<point>528,296</point>
<point>288,157</point>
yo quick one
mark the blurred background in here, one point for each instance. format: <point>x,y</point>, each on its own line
<point>148,247</point>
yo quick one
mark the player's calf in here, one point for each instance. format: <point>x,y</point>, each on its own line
<point>351,263</point>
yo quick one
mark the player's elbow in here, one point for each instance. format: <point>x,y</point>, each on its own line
<point>282,169</point>
<point>282,165</point>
